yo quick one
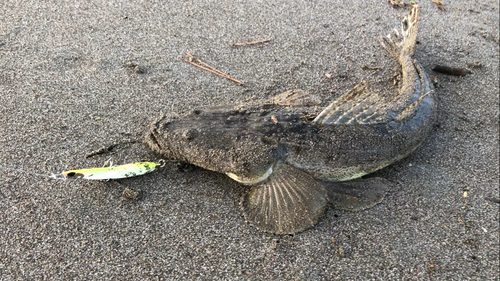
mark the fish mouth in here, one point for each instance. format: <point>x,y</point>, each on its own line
<point>251,180</point>
<point>154,145</point>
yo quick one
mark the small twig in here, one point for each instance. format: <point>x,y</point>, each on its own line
<point>251,43</point>
<point>215,71</point>
<point>398,3</point>
<point>367,67</point>
<point>283,104</point>
<point>492,199</point>
<point>209,68</point>
<point>207,65</point>
<point>109,148</point>
<point>456,71</point>
<point>101,150</point>
<point>202,67</point>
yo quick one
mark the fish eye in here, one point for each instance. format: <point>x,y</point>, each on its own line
<point>71,174</point>
<point>190,134</point>
<point>165,124</point>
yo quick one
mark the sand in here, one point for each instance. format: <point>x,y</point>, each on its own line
<point>69,85</point>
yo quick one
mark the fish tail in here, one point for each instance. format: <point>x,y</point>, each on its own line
<point>400,45</point>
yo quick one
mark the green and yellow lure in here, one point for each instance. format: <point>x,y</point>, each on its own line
<point>113,172</point>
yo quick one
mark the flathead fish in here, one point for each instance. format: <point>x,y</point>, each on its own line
<point>291,153</point>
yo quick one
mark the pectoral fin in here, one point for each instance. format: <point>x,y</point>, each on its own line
<point>357,195</point>
<point>289,201</point>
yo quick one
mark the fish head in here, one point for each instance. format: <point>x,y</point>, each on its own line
<point>222,140</point>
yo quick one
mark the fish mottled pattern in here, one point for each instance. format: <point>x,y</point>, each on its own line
<point>285,145</point>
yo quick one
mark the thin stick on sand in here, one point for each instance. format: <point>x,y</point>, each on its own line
<point>251,43</point>
<point>205,66</point>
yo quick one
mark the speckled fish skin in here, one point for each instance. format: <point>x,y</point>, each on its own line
<point>354,136</point>
<point>248,141</point>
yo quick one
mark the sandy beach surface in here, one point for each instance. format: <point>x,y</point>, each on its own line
<point>76,76</point>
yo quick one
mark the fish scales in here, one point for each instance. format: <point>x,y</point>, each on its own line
<point>292,152</point>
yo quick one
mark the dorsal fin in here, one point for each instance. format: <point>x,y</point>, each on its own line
<point>358,105</point>
<point>296,98</point>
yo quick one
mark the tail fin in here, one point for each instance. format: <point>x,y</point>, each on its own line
<point>360,106</point>
<point>396,44</point>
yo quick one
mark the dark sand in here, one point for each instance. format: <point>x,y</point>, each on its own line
<point>65,91</point>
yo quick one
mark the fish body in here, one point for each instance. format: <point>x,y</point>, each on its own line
<point>290,150</point>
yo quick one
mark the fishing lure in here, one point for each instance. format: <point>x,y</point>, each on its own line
<point>113,172</point>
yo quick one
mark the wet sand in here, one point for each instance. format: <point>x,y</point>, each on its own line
<point>77,76</point>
